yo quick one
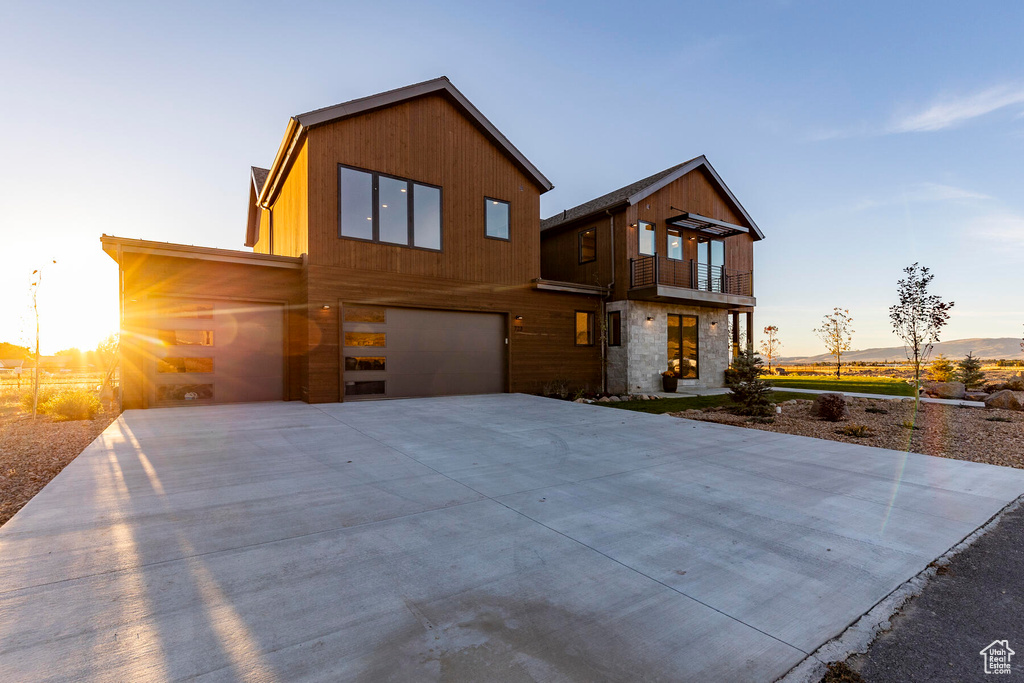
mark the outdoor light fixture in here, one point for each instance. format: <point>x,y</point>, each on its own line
<point>519,317</point>
<point>650,319</point>
<point>325,307</point>
<point>714,324</point>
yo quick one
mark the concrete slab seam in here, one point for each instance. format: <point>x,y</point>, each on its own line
<point>859,635</point>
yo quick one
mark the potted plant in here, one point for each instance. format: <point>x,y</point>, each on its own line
<point>669,381</point>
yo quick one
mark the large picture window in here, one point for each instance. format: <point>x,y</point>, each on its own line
<point>682,346</point>
<point>382,208</point>
<point>646,231</point>
<point>498,218</point>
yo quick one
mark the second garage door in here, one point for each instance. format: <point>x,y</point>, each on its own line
<point>405,352</point>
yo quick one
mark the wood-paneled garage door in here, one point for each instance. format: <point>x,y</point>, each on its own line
<point>406,352</point>
<point>215,352</point>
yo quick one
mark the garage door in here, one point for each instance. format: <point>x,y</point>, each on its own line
<point>404,352</point>
<point>215,352</point>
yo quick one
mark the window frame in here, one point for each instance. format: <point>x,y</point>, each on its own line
<point>696,343</point>
<point>639,238</point>
<point>591,322</point>
<point>579,245</point>
<point>615,340</point>
<point>410,216</point>
<point>508,208</point>
<point>669,233</point>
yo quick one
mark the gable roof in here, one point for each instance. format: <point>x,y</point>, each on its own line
<point>259,177</point>
<point>641,189</point>
<point>441,86</point>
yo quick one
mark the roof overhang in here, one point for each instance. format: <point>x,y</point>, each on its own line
<point>705,225</point>
<point>693,165</point>
<point>116,246</point>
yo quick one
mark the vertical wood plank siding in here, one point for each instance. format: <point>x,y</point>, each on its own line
<point>149,277</point>
<point>695,192</point>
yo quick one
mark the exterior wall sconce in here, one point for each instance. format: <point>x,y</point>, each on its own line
<point>714,325</point>
<point>519,317</point>
<point>325,307</point>
<point>650,319</point>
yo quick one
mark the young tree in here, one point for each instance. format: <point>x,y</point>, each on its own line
<point>942,369</point>
<point>919,317</point>
<point>747,387</point>
<point>837,334</point>
<point>969,371</point>
<point>770,345</point>
<point>38,273</point>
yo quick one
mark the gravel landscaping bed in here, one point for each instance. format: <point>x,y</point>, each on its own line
<point>32,452</point>
<point>977,434</point>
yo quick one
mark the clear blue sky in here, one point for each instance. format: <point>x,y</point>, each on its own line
<point>861,136</point>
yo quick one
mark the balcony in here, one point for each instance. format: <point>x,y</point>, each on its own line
<point>657,278</point>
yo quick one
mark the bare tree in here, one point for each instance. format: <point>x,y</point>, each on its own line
<point>770,345</point>
<point>918,317</point>
<point>38,273</point>
<point>837,334</point>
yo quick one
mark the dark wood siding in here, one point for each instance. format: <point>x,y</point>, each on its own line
<point>148,277</point>
<point>430,141</point>
<point>695,192</point>
<point>541,346</point>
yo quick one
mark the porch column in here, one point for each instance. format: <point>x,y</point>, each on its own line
<point>750,330</point>
<point>735,333</point>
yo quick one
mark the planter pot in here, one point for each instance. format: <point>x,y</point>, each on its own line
<point>669,384</point>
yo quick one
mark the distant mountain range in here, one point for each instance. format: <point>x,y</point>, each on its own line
<point>1001,347</point>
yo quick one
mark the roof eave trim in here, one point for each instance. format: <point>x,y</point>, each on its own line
<point>437,85</point>
<point>683,170</point>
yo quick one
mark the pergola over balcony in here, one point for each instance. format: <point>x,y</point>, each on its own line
<point>703,224</point>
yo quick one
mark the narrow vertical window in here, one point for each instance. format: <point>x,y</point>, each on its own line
<point>498,215</point>
<point>646,231</point>
<point>584,328</point>
<point>614,328</point>
<point>426,214</point>
<point>675,245</point>
<point>355,204</point>
<point>683,347</point>
<point>588,245</point>
<point>393,208</point>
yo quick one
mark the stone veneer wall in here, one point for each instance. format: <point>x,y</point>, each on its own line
<point>636,366</point>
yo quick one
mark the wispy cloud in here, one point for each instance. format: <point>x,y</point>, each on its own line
<point>956,110</point>
<point>923,193</point>
<point>1005,229</point>
<point>944,113</point>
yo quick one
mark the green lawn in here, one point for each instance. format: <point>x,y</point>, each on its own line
<point>671,405</point>
<point>864,385</point>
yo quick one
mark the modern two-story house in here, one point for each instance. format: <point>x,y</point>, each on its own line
<point>397,251</point>
<point>674,253</point>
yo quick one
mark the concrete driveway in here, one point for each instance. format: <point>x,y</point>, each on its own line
<point>504,537</point>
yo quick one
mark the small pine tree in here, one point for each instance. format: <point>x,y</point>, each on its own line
<point>942,369</point>
<point>748,389</point>
<point>969,371</point>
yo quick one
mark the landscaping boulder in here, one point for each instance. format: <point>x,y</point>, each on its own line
<point>831,406</point>
<point>1005,399</point>
<point>945,389</point>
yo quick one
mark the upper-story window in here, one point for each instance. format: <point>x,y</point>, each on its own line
<point>588,245</point>
<point>675,244</point>
<point>498,214</point>
<point>382,208</point>
<point>646,231</point>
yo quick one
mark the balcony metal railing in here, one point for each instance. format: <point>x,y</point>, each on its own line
<point>646,271</point>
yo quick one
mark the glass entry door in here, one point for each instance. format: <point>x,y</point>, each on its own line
<point>682,346</point>
<point>710,264</point>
